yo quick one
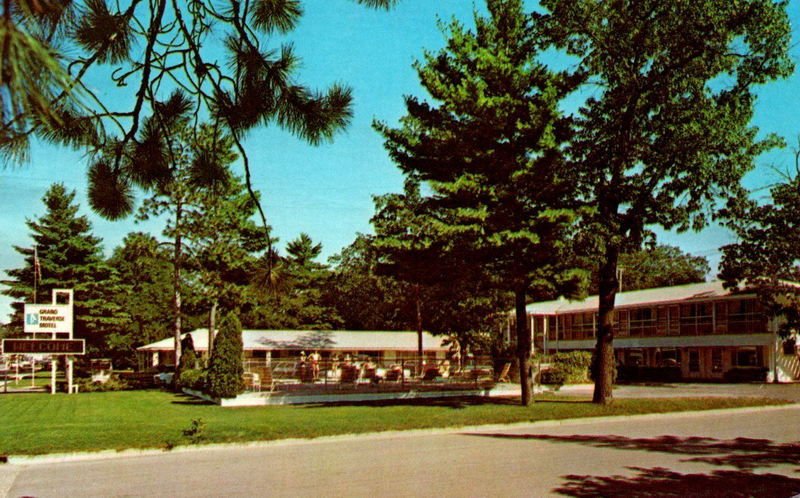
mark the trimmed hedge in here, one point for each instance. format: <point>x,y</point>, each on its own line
<point>568,368</point>
<point>225,369</point>
<point>648,374</point>
<point>746,374</point>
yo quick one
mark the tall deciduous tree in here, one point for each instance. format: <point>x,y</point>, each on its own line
<point>70,257</point>
<point>766,256</point>
<point>363,298</point>
<point>656,266</point>
<point>491,155</point>
<point>665,130</point>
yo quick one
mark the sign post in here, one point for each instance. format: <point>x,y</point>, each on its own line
<point>55,318</point>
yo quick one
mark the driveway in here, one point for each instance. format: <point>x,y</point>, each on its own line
<point>777,391</point>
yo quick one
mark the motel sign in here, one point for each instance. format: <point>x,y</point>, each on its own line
<point>48,318</point>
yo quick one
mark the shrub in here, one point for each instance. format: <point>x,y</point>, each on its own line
<point>648,374</point>
<point>225,369</point>
<point>593,368</point>
<point>746,374</point>
<point>114,383</point>
<point>568,368</point>
<point>188,360</point>
<point>190,379</point>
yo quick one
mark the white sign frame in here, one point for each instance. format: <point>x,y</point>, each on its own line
<point>47,319</point>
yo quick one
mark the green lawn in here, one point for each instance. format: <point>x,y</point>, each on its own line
<point>43,423</point>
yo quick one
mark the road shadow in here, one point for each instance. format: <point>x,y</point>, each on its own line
<point>744,454</point>
<point>659,481</point>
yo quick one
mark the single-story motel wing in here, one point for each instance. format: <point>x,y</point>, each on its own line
<point>286,344</point>
<point>689,332</point>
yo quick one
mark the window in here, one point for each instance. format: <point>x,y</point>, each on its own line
<point>634,357</point>
<point>642,321</point>
<point>576,326</point>
<point>694,361</point>
<point>746,316</point>
<point>697,319</point>
<point>747,357</point>
<point>716,360</point>
<point>670,357</point>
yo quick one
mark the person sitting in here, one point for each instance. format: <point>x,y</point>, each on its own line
<point>444,368</point>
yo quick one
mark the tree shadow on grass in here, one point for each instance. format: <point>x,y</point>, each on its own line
<point>659,481</point>
<point>459,402</point>
<point>187,399</point>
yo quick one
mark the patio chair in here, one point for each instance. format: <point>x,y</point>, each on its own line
<point>262,375</point>
<point>349,374</point>
<point>394,374</point>
<point>431,374</point>
<point>252,382</point>
<point>504,377</point>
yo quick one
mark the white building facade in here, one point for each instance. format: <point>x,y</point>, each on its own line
<point>689,332</point>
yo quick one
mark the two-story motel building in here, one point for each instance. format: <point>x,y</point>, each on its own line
<point>703,329</point>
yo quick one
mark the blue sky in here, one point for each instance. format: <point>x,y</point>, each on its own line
<point>327,191</point>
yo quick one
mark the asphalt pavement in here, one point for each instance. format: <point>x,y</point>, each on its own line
<point>787,391</point>
<point>746,452</point>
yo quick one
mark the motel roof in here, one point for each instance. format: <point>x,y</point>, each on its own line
<point>309,340</point>
<point>661,295</point>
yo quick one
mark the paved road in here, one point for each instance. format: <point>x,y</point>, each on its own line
<point>735,453</point>
<point>777,391</point>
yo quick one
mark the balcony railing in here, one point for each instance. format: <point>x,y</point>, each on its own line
<point>301,375</point>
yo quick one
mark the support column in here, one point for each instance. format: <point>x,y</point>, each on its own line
<point>53,369</point>
<point>69,374</point>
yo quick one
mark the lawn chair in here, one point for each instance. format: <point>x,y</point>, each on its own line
<point>431,374</point>
<point>349,374</point>
<point>252,382</point>
<point>504,377</point>
<point>394,374</point>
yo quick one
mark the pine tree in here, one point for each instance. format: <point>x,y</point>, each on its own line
<point>492,155</point>
<point>308,279</point>
<point>144,271</point>
<point>70,257</point>
<point>225,241</point>
<point>226,56</point>
<point>225,370</point>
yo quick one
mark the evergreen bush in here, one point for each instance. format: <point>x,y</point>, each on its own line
<point>568,368</point>
<point>225,369</point>
<point>187,373</point>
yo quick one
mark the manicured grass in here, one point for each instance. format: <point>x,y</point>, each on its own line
<point>42,423</point>
<point>41,378</point>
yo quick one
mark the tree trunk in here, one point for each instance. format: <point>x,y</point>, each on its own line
<point>212,321</point>
<point>176,286</point>
<point>418,304</point>
<point>523,347</point>
<point>604,350</point>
